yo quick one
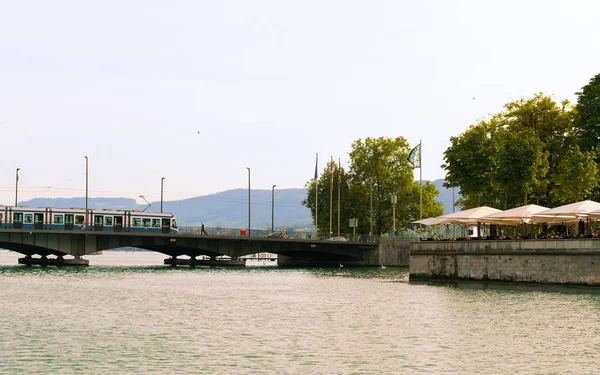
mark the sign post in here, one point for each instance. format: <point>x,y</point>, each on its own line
<point>353,223</point>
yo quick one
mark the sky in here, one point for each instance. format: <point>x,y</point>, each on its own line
<point>196,91</point>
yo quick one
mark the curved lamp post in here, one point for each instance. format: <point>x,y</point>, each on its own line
<point>248,168</point>
<point>273,208</point>
<point>161,194</point>
<point>17,187</point>
<point>86,193</point>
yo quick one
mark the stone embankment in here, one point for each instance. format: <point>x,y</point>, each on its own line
<point>393,252</point>
<point>553,261</point>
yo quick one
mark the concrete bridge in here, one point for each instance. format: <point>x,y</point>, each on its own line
<point>37,245</point>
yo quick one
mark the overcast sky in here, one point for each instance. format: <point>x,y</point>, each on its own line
<point>266,83</point>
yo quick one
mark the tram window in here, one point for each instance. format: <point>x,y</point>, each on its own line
<point>17,216</point>
<point>155,223</point>
<point>79,219</point>
<point>58,219</point>
<point>108,220</point>
<point>146,223</point>
<point>28,218</point>
<point>136,222</point>
<point>98,219</point>
<point>68,219</point>
<point>174,223</point>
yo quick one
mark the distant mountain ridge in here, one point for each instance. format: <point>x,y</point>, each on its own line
<point>227,209</point>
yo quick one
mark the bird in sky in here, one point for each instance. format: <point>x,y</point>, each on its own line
<point>473,98</point>
<point>198,131</point>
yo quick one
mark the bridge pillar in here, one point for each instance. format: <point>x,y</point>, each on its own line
<point>212,262</point>
<point>59,261</point>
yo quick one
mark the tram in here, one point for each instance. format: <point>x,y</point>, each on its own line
<point>75,219</point>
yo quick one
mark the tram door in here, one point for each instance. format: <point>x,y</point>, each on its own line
<point>38,221</point>
<point>18,220</point>
<point>166,225</point>
<point>118,224</point>
<point>68,221</point>
<point>98,223</point>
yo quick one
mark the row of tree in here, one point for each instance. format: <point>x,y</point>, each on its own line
<point>535,151</point>
<point>378,169</point>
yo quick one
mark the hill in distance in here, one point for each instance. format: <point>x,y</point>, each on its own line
<point>227,209</point>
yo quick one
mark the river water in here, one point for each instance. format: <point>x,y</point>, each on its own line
<point>129,314</point>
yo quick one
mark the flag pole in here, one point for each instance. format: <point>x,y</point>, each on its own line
<point>420,181</point>
<point>339,187</point>
<point>316,198</point>
<point>330,196</point>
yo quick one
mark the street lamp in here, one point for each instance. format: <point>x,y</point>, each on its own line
<point>86,192</point>
<point>17,187</point>
<point>248,168</point>
<point>161,193</point>
<point>371,210</point>
<point>273,208</point>
<point>394,214</point>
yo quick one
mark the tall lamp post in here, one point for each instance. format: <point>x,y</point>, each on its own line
<point>17,187</point>
<point>86,193</point>
<point>161,193</point>
<point>273,208</point>
<point>248,168</point>
<point>371,210</point>
<point>394,214</point>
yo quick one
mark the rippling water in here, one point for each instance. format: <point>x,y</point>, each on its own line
<point>128,314</point>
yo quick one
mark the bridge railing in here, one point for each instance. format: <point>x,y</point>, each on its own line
<point>242,232</point>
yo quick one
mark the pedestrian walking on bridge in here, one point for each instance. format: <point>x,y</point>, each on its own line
<point>202,231</point>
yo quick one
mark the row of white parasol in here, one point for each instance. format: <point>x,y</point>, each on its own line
<point>529,214</point>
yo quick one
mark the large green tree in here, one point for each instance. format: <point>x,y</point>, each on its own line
<point>578,169</point>
<point>522,166</point>
<point>588,115</point>
<point>331,183</point>
<point>379,168</point>
<point>588,122</point>
<point>525,153</point>
<point>470,163</point>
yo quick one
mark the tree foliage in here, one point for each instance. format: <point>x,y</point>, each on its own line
<point>331,179</point>
<point>588,122</point>
<point>522,165</point>
<point>379,167</point>
<point>470,164</point>
<point>524,154</point>
<point>588,115</point>
<point>576,168</point>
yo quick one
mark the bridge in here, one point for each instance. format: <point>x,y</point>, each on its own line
<point>50,247</point>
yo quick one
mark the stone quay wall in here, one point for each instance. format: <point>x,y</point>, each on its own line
<point>393,252</point>
<point>553,261</point>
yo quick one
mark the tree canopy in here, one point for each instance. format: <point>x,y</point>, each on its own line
<point>588,122</point>
<point>528,153</point>
<point>378,168</point>
<point>588,115</point>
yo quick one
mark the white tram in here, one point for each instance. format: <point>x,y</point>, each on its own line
<point>75,219</point>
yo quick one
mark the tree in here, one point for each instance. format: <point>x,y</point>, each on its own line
<point>383,162</point>
<point>576,177</point>
<point>522,166</point>
<point>588,122</point>
<point>470,163</point>
<point>520,153</point>
<point>553,125</point>
<point>329,180</point>
<point>379,165</point>
<point>588,115</point>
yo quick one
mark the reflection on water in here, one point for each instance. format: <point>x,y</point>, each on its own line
<point>127,313</point>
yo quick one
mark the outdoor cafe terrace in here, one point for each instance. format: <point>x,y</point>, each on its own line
<point>530,221</point>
